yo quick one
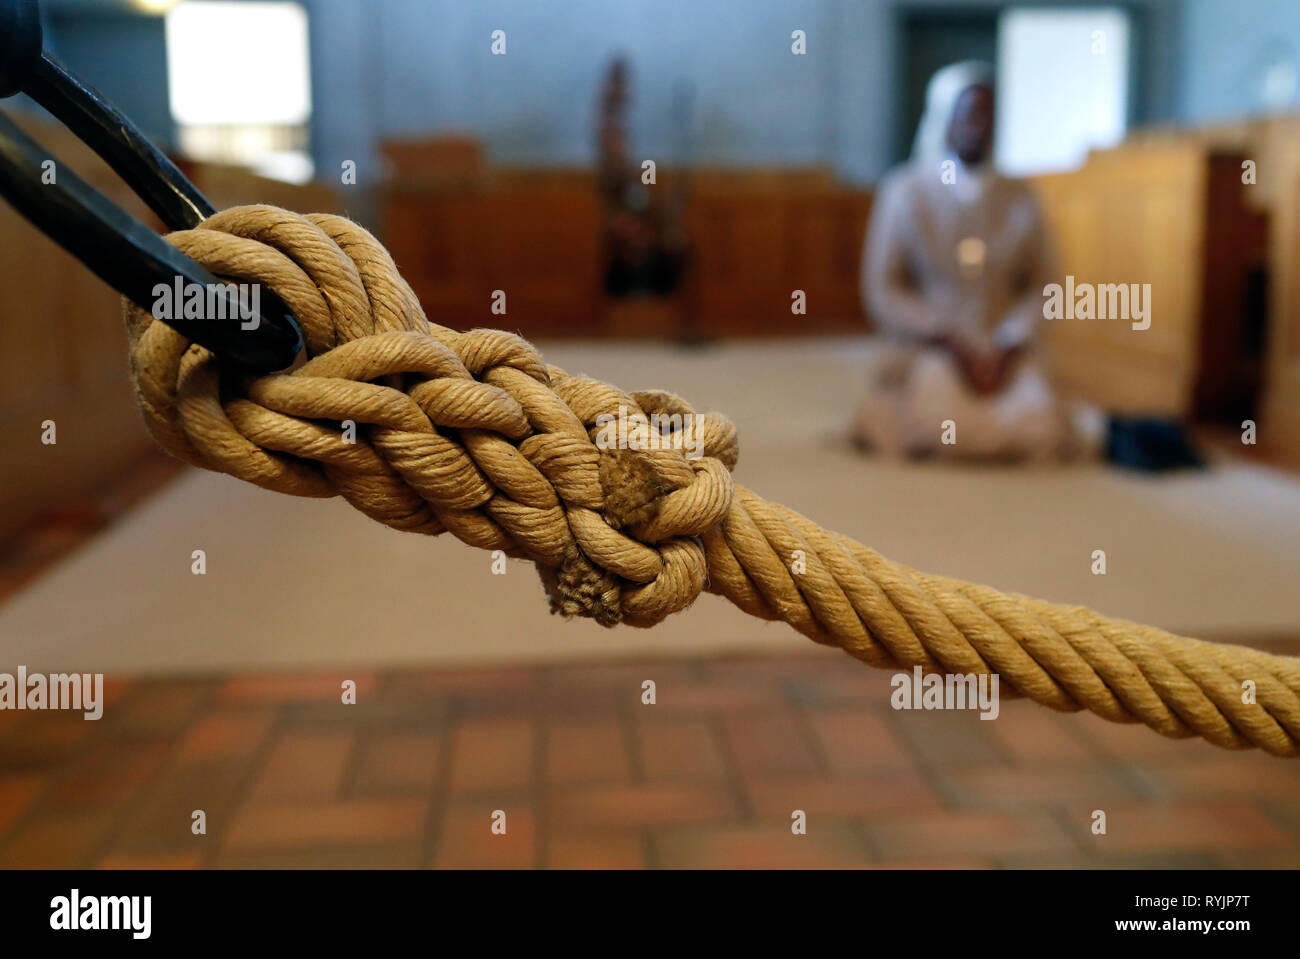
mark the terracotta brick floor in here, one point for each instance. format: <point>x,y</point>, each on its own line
<point>585,774</point>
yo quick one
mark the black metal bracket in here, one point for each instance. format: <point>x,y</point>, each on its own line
<point>122,251</point>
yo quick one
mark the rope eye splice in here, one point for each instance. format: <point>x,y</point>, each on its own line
<point>472,433</point>
<point>256,332</point>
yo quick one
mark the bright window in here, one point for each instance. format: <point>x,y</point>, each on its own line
<point>240,84</point>
<point>1063,80</point>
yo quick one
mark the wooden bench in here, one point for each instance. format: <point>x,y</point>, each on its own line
<point>1173,214</point>
<point>1281,407</point>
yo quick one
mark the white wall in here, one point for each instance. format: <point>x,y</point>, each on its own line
<point>406,67</point>
<point>388,67</point>
<point>398,67</point>
<point>1228,46</point>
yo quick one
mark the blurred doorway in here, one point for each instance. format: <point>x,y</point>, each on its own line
<point>930,39</point>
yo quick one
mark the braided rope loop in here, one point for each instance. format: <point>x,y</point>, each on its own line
<point>473,433</point>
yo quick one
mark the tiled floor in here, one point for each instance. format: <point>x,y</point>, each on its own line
<point>586,774</point>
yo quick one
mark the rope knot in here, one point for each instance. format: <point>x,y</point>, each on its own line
<point>664,477</point>
<point>430,429</point>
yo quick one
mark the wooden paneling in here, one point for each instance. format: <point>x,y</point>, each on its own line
<point>752,250</point>
<point>62,358</point>
<point>755,237</point>
<point>1281,418</point>
<point>63,349</point>
<point>228,186</point>
<point>441,162</point>
<point>540,247</point>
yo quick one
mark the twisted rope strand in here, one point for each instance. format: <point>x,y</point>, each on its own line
<point>474,434</point>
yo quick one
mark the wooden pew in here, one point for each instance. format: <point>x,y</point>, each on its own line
<point>1263,140</point>
<point>1280,420</point>
<point>1171,213</point>
<point>1273,143</point>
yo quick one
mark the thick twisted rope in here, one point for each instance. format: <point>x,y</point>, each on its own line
<point>472,433</point>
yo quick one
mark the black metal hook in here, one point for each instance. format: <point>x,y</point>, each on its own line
<point>117,247</point>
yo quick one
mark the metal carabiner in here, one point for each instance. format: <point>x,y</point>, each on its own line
<point>118,248</point>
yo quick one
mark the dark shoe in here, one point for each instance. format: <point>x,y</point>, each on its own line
<point>1151,445</point>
